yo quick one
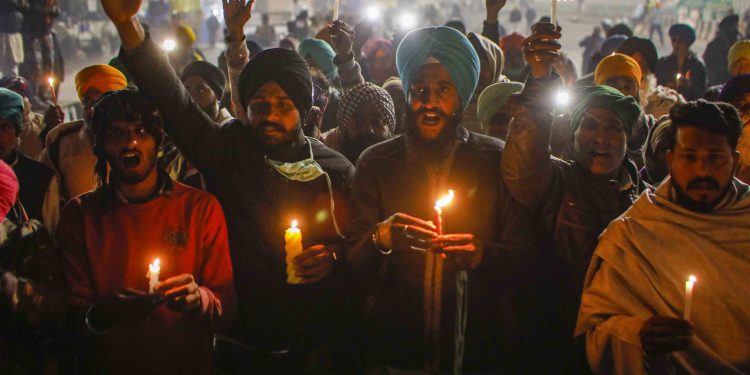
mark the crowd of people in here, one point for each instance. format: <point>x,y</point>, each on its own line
<point>349,204</point>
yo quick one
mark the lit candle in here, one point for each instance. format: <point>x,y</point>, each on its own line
<point>677,79</point>
<point>439,204</point>
<point>554,12</point>
<point>293,247</point>
<point>689,284</point>
<point>336,9</point>
<point>153,274</point>
<point>51,81</point>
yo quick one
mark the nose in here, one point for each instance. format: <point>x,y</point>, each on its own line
<point>702,167</point>
<point>429,99</point>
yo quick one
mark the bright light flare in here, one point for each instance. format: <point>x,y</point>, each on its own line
<point>407,21</point>
<point>294,224</point>
<point>373,13</point>
<point>446,200</point>
<point>169,45</point>
<point>215,12</point>
<point>562,98</point>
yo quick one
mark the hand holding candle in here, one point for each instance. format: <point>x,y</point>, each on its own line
<point>689,284</point>
<point>439,204</point>
<point>153,275</point>
<point>293,247</point>
<point>51,82</point>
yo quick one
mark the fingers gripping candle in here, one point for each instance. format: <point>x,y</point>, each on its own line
<point>439,204</point>
<point>689,284</point>
<point>293,247</point>
<point>153,274</point>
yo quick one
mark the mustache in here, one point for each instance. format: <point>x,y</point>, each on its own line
<point>273,125</point>
<point>703,183</point>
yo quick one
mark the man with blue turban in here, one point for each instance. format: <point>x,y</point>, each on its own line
<point>412,268</point>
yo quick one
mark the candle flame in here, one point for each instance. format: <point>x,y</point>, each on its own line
<point>155,266</point>
<point>294,223</point>
<point>678,76</point>
<point>51,81</point>
<point>692,279</point>
<point>446,200</point>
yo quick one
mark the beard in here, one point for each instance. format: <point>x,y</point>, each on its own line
<point>433,148</point>
<point>699,206</point>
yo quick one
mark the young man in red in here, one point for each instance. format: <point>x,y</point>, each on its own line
<point>108,238</point>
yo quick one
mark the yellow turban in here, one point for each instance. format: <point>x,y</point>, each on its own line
<point>617,65</point>
<point>185,34</point>
<point>101,77</point>
<point>740,50</point>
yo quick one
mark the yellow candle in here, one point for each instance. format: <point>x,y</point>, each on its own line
<point>293,247</point>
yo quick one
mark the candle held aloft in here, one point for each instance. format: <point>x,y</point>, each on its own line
<point>439,204</point>
<point>51,81</point>
<point>689,284</point>
<point>336,4</point>
<point>293,247</point>
<point>553,12</point>
<point>153,274</point>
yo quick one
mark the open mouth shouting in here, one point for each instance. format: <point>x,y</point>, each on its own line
<point>130,158</point>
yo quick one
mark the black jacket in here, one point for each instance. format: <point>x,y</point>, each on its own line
<point>667,70</point>
<point>393,177</point>
<point>259,204</point>
<point>33,179</point>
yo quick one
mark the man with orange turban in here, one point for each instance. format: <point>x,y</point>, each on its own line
<point>621,72</point>
<point>68,146</point>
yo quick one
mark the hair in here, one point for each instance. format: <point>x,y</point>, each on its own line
<point>718,118</point>
<point>620,29</point>
<point>122,105</point>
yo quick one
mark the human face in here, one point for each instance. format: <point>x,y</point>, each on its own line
<point>701,165</point>
<point>88,100</point>
<point>679,45</point>
<point>433,100</point>
<point>131,151</point>
<point>626,85</point>
<point>8,137</point>
<point>202,94</point>
<point>599,142</point>
<point>742,66</point>
<point>367,122</point>
<point>273,115</point>
<point>642,63</point>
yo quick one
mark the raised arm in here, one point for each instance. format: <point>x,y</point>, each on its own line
<point>237,14</point>
<point>528,169</point>
<point>491,28</point>
<point>194,133</point>
<point>343,37</point>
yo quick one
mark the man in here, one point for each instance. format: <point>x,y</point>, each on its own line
<point>655,99</point>
<point>266,33</point>
<point>633,311</point>
<point>39,191</point>
<point>109,236</point>
<point>515,67</point>
<point>574,199</point>
<point>717,51</point>
<point>185,51</point>
<point>395,89</point>
<point>737,93</point>
<point>494,115</point>
<point>682,70</point>
<point>30,142</point>
<point>491,66</point>
<point>68,146</point>
<point>11,39</point>
<point>739,58</point>
<point>655,167</point>
<point>205,82</point>
<point>265,174</point>
<point>402,266</point>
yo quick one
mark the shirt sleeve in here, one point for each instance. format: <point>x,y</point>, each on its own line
<point>218,300</point>
<point>238,55</point>
<point>197,136</point>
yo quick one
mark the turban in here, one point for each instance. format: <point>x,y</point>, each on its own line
<point>512,41</point>
<point>729,23</point>
<point>19,85</point>
<point>380,48</point>
<point>101,77</point>
<point>740,50</point>
<point>287,68</point>
<point>11,108</point>
<point>616,65</point>
<point>185,35</point>
<point>322,54</point>
<point>643,46</point>
<point>626,108</point>
<point>213,76</point>
<point>611,44</point>
<point>8,189</point>
<point>734,90</point>
<point>659,135</point>
<point>493,98</point>
<point>620,29</point>
<point>366,93</point>
<point>683,31</point>
<point>491,53</point>
<point>449,47</point>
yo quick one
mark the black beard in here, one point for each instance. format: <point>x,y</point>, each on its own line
<point>449,132</point>
<point>703,207</point>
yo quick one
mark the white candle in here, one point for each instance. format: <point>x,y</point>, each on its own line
<point>689,284</point>
<point>153,274</point>
<point>336,9</point>
<point>293,247</point>
<point>51,81</point>
<point>554,12</point>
